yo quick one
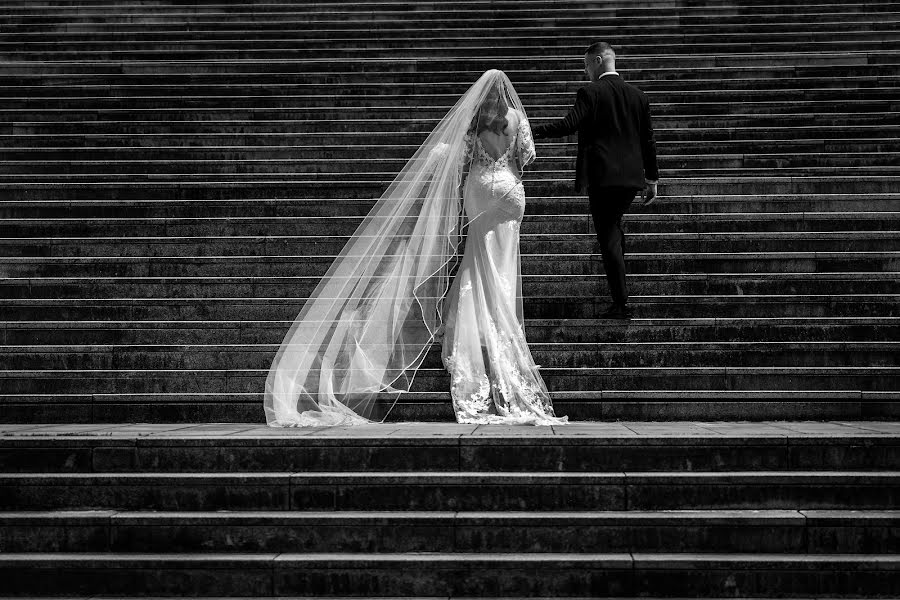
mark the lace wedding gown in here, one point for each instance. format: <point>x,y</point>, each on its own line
<point>493,375</point>
<point>366,329</point>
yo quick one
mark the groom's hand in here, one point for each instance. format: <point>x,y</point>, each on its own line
<point>648,194</point>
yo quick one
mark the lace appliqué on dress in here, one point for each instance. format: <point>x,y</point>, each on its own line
<point>470,393</point>
<point>507,395</point>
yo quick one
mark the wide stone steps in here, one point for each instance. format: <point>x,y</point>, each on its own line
<point>238,149</point>
<point>713,506</point>
<point>193,74</point>
<point>587,305</point>
<point>324,19</point>
<point>390,130</point>
<point>398,9</point>
<point>554,355</point>
<point>185,110</point>
<point>181,449</point>
<point>90,76</point>
<point>577,224</point>
<point>584,378</point>
<point>751,6</point>
<point>463,574</point>
<point>281,297</point>
<point>283,163</point>
<point>416,49</point>
<point>461,23</point>
<point>532,264</point>
<point>185,144</point>
<point>706,112</point>
<point>498,491</point>
<point>512,61</point>
<point>545,331</point>
<point>812,531</point>
<point>237,201</point>
<point>753,190</point>
<point>368,184</point>
<point>679,101</point>
<point>230,200</point>
<point>548,244</point>
<point>175,177</point>
<point>609,405</point>
<point>872,37</point>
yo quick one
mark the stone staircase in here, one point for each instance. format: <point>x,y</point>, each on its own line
<point>174,177</point>
<point>683,510</point>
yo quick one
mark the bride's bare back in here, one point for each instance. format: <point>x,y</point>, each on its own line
<point>497,144</point>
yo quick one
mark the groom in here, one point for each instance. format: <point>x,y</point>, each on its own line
<point>616,158</point>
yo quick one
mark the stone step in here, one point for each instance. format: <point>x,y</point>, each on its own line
<point>753,85</point>
<point>589,306</point>
<point>609,405</point>
<point>285,163</point>
<point>531,264</point>
<point>199,145</point>
<point>261,146</point>
<point>611,447</point>
<point>399,10</point>
<point>733,43</point>
<point>235,200</point>
<point>794,75</point>
<point>344,156</point>
<point>733,66</point>
<point>342,27</point>
<point>539,243</point>
<point>675,102</point>
<point>710,353</point>
<point>553,306</point>
<point>150,381</point>
<point>818,532</point>
<point>546,574</point>
<point>872,36</point>
<point>271,172</point>
<point>513,64</point>
<point>267,298</point>
<point>634,8</point>
<point>261,187</point>
<point>143,229</point>
<point>511,61</point>
<point>500,491</point>
<point>768,70</point>
<point>572,331</point>
<point>387,126</point>
<point>376,21</point>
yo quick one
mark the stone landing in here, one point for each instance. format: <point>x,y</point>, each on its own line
<point>613,509</point>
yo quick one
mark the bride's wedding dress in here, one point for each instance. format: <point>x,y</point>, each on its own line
<point>390,295</point>
<point>493,376</point>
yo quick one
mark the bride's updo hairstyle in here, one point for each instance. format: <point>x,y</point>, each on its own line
<point>492,113</point>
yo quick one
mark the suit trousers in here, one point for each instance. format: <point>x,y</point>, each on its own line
<point>608,204</point>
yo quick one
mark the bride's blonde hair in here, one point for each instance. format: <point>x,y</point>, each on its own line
<point>492,116</point>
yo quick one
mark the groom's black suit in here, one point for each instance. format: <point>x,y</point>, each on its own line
<point>616,157</point>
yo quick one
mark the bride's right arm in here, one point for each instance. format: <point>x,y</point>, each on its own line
<point>465,159</point>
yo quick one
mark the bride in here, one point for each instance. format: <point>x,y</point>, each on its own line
<point>366,329</point>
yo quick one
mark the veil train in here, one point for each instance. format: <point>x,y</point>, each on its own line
<point>366,328</point>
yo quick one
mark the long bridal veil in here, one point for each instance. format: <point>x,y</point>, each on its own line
<point>365,330</point>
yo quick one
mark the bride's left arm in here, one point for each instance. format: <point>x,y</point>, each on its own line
<point>525,153</point>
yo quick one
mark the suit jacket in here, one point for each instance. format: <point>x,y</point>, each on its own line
<point>616,147</point>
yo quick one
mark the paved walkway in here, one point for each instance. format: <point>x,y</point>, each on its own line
<point>434,430</point>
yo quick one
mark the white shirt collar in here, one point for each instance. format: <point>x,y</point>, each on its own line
<point>607,73</point>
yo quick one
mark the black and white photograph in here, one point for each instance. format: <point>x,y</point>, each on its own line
<point>449,299</point>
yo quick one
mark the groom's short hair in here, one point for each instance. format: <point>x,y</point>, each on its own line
<point>601,49</point>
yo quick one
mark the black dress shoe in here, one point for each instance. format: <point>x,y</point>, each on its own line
<point>617,311</point>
